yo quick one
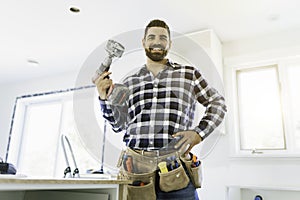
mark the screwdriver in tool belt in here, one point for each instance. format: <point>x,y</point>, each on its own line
<point>163,167</point>
<point>129,164</point>
<point>195,162</point>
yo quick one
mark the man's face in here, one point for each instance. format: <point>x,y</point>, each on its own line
<point>157,43</point>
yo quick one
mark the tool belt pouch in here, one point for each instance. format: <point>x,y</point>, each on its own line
<point>143,184</point>
<point>195,173</point>
<point>175,179</point>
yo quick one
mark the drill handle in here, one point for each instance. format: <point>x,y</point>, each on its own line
<point>105,65</point>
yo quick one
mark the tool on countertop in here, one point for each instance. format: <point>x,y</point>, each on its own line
<point>68,169</point>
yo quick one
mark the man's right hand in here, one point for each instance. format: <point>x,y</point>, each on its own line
<point>103,85</point>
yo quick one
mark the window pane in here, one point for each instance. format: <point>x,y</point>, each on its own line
<point>294,91</point>
<point>83,159</point>
<point>261,125</point>
<point>40,137</point>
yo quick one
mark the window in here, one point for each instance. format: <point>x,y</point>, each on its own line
<point>268,107</point>
<point>40,120</point>
<point>41,131</point>
<point>260,114</point>
<point>293,74</point>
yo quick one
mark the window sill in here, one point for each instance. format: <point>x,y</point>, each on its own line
<point>265,155</point>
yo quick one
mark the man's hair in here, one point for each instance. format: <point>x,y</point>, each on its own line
<point>156,23</point>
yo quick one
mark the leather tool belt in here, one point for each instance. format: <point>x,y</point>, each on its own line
<point>144,167</point>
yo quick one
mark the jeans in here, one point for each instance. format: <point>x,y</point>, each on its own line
<point>188,193</point>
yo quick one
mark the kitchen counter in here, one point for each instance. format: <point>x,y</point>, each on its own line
<point>11,186</point>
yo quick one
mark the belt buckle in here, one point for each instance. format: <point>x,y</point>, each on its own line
<point>156,152</point>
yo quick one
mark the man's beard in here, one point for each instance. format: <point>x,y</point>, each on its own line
<point>156,56</point>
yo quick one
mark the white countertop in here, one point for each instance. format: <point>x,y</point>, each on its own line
<point>15,182</point>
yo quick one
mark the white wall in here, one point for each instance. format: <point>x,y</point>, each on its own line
<point>263,172</point>
<point>271,46</point>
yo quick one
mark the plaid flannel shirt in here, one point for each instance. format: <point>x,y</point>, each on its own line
<point>163,105</point>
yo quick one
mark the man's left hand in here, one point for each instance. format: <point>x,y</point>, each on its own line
<point>188,141</point>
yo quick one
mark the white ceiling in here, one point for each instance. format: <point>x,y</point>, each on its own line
<point>47,32</point>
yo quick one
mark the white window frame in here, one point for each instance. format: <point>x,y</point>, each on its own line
<point>19,121</point>
<point>275,67</point>
<point>233,114</point>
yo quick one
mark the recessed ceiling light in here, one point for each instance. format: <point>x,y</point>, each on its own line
<point>32,62</point>
<point>273,17</point>
<point>74,9</point>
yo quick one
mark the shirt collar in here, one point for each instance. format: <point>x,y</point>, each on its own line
<point>169,64</point>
